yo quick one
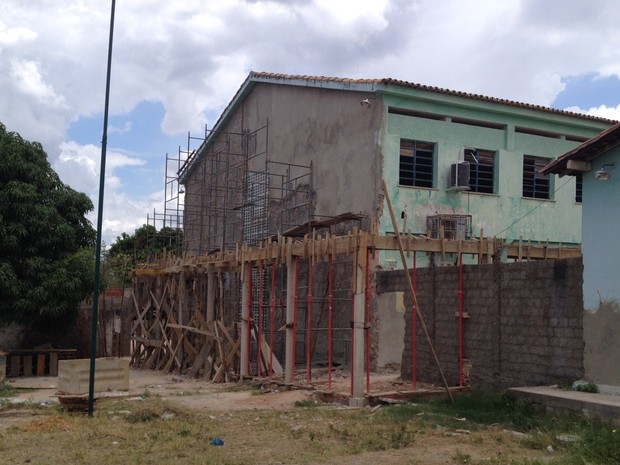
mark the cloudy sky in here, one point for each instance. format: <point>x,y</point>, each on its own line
<point>177,64</point>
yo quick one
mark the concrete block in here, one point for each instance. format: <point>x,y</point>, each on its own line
<point>111,374</point>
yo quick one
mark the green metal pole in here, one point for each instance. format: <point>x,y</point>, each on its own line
<point>104,143</point>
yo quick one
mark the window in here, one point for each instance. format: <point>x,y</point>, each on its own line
<point>535,185</point>
<point>416,163</point>
<point>481,170</point>
<point>578,187</point>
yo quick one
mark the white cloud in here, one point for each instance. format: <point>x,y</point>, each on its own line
<point>11,36</point>
<point>602,111</point>
<point>79,166</point>
<point>27,79</point>
<point>192,56</point>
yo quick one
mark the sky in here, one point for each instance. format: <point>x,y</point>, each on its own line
<point>176,65</point>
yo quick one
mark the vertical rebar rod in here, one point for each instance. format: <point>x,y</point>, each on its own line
<point>410,285</point>
<point>367,322</point>
<point>353,340</point>
<point>296,299</point>
<point>249,324</point>
<point>309,325</point>
<point>97,280</point>
<point>260,316</point>
<point>272,308</point>
<point>330,310</point>
<point>460,319</point>
<point>414,329</point>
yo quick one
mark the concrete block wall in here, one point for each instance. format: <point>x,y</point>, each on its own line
<point>524,325</point>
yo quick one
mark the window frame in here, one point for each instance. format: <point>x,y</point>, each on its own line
<point>417,168</point>
<point>539,186</point>
<point>477,159</point>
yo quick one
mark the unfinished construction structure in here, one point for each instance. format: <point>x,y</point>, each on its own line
<point>285,222</point>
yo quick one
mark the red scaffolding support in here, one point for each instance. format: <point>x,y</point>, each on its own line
<point>414,329</point>
<point>460,319</point>
<point>272,310</point>
<point>309,325</point>
<point>260,317</point>
<point>330,309</point>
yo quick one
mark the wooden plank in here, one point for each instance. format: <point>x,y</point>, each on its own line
<point>15,365</point>
<point>41,365</point>
<point>210,334</point>
<point>27,365</point>
<point>266,354</point>
<point>200,359</point>
<point>53,364</point>
<point>147,342</point>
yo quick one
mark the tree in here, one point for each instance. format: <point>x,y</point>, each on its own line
<point>46,241</point>
<point>130,250</point>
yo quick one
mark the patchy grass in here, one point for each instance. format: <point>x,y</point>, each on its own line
<point>155,431</point>
<point>6,391</point>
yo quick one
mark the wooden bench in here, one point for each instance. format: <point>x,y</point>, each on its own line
<point>36,362</point>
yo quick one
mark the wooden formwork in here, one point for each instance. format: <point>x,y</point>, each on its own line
<point>194,315</point>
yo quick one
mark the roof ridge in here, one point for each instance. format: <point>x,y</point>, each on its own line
<point>440,90</point>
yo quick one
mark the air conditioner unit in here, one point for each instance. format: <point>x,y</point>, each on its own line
<point>459,176</point>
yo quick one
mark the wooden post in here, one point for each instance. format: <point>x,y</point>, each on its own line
<point>210,293</point>
<point>413,294</point>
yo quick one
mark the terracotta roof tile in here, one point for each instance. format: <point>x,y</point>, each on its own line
<point>439,90</point>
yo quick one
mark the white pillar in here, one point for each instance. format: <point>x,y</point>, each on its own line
<point>245,315</point>
<point>359,340</point>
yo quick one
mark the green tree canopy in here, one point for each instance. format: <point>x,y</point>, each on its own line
<point>46,241</point>
<point>129,250</point>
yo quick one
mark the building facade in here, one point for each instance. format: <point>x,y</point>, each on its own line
<point>596,163</point>
<point>293,153</point>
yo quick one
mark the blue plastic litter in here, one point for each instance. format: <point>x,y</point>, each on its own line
<point>217,442</point>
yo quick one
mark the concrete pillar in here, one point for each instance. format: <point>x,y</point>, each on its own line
<point>245,315</point>
<point>210,293</point>
<point>289,360</point>
<point>357,363</point>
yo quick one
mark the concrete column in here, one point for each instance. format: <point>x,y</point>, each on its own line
<point>357,363</point>
<point>210,293</point>
<point>289,361</point>
<point>245,315</point>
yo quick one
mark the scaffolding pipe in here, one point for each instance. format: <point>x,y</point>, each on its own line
<point>460,319</point>
<point>260,317</point>
<point>309,325</point>
<point>414,329</point>
<point>367,321</point>
<point>410,285</point>
<point>272,308</point>
<point>352,342</point>
<point>330,310</point>
<point>290,313</point>
<point>295,317</point>
<point>249,317</point>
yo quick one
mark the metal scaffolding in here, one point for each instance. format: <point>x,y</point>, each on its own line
<point>235,193</point>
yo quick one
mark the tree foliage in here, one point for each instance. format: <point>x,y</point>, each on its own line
<point>131,250</point>
<point>46,255</point>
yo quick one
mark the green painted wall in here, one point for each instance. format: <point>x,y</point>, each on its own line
<point>506,213</point>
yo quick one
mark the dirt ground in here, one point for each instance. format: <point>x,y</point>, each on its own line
<point>444,446</point>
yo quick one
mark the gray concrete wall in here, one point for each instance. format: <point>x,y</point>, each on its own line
<point>330,129</point>
<point>391,328</point>
<point>525,324</point>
